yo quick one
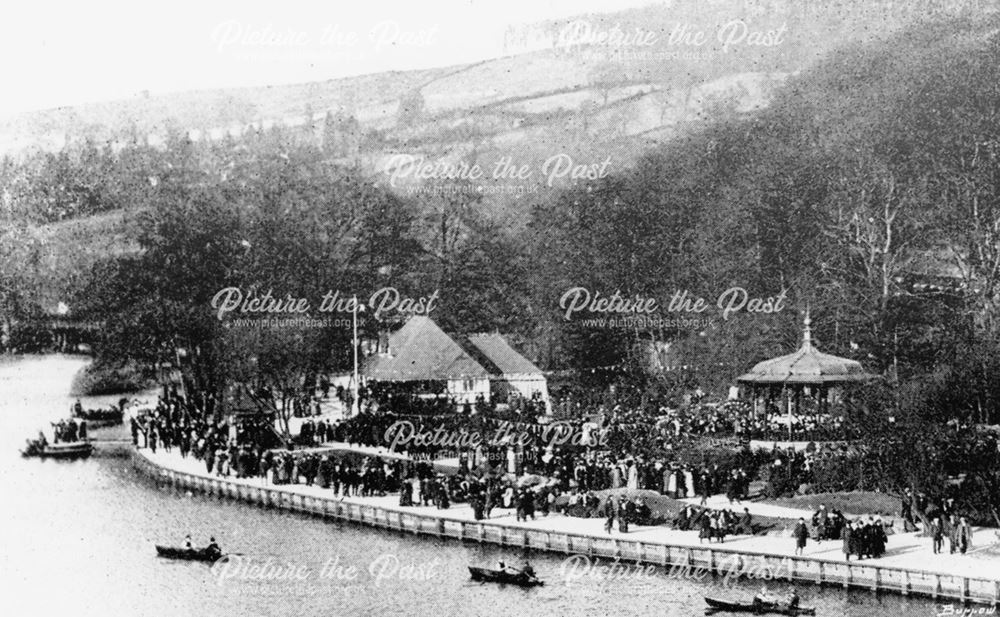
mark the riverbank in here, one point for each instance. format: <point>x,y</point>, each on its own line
<point>909,566</point>
<point>102,378</point>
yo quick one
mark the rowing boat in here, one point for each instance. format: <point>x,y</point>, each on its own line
<point>734,606</point>
<point>71,450</point>
<point>485,575</point>
<point>190,554</point>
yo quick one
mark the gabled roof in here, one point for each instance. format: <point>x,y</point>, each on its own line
<point>808,365</point>
<point>500,358</point>
<point>421,351</point>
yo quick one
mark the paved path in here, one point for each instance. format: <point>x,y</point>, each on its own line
<point>907,550</point>
<point>331,410</point>
<point>721,502</point>
<point>440,464</point>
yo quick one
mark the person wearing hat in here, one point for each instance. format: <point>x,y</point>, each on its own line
<point>527,570</point>
<point>937,532</point>
<point>951,529</point>
<point>213,547</point>
<point>964,535</point>
<point>848,538</point>
<point>746,523</point>
<point>801,533</point>
<point>763,599</point>
<point>821,520</point>
<point>879,537</point>
<point>793,599</point>
<point>642,512</point>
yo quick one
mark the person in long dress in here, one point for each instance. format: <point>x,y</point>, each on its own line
<point>719,526</point>
<point>633,476</point>
<point>616,477</point>
<point>416,491</point>
<point>848,538</point>
<point>964,535</point>
<point>952,530</point>
<point>706,527</point>
<point>489,503</point>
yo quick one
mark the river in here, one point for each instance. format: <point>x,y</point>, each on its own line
<point>78,539</point>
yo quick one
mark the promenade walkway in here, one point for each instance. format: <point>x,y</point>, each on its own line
<point>721,502</point>
<point>441,464</point>
<point>904,550</point>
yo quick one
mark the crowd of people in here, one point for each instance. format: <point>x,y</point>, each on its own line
<point>376,398</point>
<point>100,417</point>
<point>715,524</point>
<point>69,431</point>
<point>644,453</point>
<point>861,538</point>
<point>737,418</point>
<point>585,468</point>
<point>864,538</point>
<point>956,529</point>
<point>643,442</point>
<point>828,525</point>
<point>225,450</point>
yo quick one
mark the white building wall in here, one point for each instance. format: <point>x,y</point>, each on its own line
<point>466,390</point>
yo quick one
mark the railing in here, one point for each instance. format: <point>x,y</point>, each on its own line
<point>728,562</point>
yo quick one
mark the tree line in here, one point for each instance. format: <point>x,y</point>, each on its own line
<point>867,191</point>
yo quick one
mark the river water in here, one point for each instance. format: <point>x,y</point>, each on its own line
<point>78,539</point>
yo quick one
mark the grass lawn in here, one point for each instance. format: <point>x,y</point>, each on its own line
<point>856,503</point>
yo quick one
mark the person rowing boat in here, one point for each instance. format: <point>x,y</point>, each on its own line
<point>508,569</point>
<point>188,551</point>
<point>505,575</point>
<point>762,603</point>
<point>764,598</point>
<point>213,547</point>
<point>793,599</point>
<point>527,570</point>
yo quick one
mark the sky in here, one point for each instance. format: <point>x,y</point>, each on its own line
<point>66,53</point>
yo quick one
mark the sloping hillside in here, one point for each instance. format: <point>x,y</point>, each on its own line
<point>683,44</point>
<point>569,105</point>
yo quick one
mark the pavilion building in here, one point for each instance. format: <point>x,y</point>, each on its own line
<point>511,374</point>
<point>421,359</point>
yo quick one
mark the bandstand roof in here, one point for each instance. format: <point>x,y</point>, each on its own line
<point>806,366</point>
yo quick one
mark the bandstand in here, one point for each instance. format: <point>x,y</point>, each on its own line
<point>806,382</point>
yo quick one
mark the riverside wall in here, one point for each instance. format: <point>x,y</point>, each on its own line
<point>720,561</point>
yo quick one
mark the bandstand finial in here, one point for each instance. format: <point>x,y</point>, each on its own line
<point>807,331</point>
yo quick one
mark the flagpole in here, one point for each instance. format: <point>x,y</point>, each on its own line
<point>354,343</point>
